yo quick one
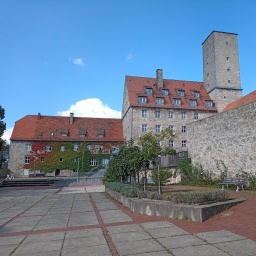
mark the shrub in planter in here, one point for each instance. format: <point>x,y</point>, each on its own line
<point>142,194</point>
<point>155,196</point>
<point>129,192</point>
<point>194,197</point>
<point>115,186</point>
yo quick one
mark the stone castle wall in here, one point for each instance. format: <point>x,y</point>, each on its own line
<point>225,140</point>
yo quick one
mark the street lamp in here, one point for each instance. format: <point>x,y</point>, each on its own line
<point>158,173</point>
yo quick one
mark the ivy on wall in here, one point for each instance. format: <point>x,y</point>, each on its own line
<point>63,156</point>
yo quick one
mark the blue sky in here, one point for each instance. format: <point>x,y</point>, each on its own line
<point>58,56</point>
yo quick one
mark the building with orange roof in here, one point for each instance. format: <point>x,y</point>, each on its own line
<point>53,144</point>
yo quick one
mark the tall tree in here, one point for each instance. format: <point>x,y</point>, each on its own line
<point>2,126</point>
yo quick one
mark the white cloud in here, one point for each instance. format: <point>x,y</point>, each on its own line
<point>77,61</point>
<point>130,56</point>
<point>92,107</point>
<point>7,134</point>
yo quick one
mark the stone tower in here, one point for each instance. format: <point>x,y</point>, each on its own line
<point>221,68</point>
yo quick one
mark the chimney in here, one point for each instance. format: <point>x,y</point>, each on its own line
<point>159,78</point>
<point>39,116</point>
<point>71,119</point>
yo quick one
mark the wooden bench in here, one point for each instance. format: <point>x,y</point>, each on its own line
<point>239,182</point>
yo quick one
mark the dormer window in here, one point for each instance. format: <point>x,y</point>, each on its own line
<point>52,134</point>
<point>142,100</point>
<point>192,103</point>
<point>196,94</point>
<point>82,133</point>
<point>181,93</point>
<point>176,102</point>
<point>63,132</point>
<point>101,133</point>
<point>40,133</point>
<point>48,148</point>
<point>149,91</point>
<point>165,92</point>
<point>159,101</point>
<point>208,104</point>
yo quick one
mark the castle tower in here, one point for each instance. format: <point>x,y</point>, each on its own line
<point>221,68</point>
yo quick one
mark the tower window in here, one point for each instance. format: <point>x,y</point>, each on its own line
<point>227,58</point>
<point>228,69</point>
<point>228,81</point>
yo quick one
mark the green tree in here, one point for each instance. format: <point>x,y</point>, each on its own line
<point>164,175</point>
<point>2,127</point>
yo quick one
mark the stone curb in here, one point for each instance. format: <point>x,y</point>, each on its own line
<point>197,213</point>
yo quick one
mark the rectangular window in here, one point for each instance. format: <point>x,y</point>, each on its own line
<point>89,147</point>
<point>193,103</point>
<point>76,147</point>
<point>196,116</point>
<point>176,102</point>
<point>101,147</point>
<point>157,113</point>
<point>142,100</point>
<point>181,93</point>
<point>183,129</point>
<point>144,128</point>
<point>93,162</point>
<point>27,159</point>
<point>75,159</point>
<point>48,148</point>
<point>64,134</point>
<point>28,147</point>
<point>158,128</point>
<point>165,92</point>
<point>171,115</point>
<point>158,143</point>
<point>159,101</point>
<point>171,144</point>
<point>183,115</point>
<point>184,143</point>
<point>144,113</point>
<point>208,104</point>
<point>148,91</point>
<point>196,94</point>
<point>61,159</point>
<point>62,148</point>
<point>171,127</point>
<point>42,159</point>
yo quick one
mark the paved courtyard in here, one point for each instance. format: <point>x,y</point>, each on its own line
<point>86,221</point>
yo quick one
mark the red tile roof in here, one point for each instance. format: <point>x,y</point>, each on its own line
<point>136,87</point>
<point>30,127</point>
<point>251,97</point>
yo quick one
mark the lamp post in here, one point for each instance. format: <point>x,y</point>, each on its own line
<point>158,174</point>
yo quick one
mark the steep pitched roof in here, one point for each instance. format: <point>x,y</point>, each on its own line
<point>251,97</point>
<point>136,87</point>
<point>58,128</point>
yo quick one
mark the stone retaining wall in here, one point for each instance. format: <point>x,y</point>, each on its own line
<point>198,213</point>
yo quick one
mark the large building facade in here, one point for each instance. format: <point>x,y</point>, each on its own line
<point>58,145</point>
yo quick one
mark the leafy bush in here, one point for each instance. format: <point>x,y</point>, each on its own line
<point>164,174</point>
<point>142,194</point>
<point>155,196</point>
<point>194,197</point>
<point>129,192</point>
<point>115,186</point>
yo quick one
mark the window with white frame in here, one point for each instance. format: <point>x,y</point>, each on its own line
<point>157,113</point>
<point>89,147</point>
<point>171,127</point>
<point>144,128</point>
<point>61,159</point>
<point>183,115</point>
<point>28,147</point>
<point>183,143</point>
<point>196,94</point>
<point>171,144</point>
<point>193,103</point>
<point>75,159</point>
<point>158,143</point>
<point>165,92</point>
<point>196,116</point>
<point>181,93</point>
<point>101,147</point>
<point>142,100</point>
<point>208,104</point>
<point>27,159</point>
<point>158,128</point>
<point>148,91</point>
<point>144,113</point>
<point>93,162</point>
<point>171,115</point>
<point>62,148</point>
<point>48,148</point>
<point>76,147</point>
<point>105,161</point>
<point>159,101</point>
<point>176,102</point>
<point>183,129</point>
